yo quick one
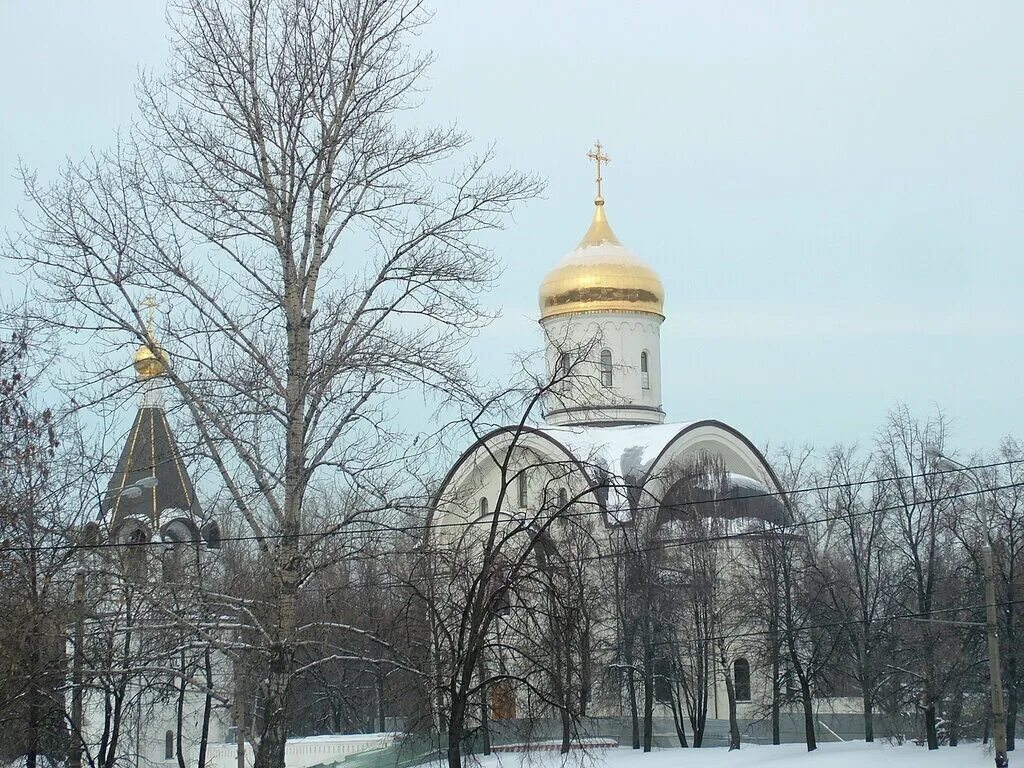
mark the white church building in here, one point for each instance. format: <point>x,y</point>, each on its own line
<point>604,446</point>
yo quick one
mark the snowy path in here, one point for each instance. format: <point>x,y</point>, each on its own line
<point>846,755</point>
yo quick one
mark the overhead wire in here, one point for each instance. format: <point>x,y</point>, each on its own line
<point>379,528</point>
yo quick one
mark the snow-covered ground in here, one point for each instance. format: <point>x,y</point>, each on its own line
<point>851,754</point>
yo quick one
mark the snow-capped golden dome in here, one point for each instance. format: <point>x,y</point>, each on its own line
<point>601,275</point>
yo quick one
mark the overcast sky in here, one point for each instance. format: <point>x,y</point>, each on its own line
<point>831,192</point>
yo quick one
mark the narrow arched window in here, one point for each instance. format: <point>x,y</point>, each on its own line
<point>169,745</point>
<point>522,487</point>
<point>483,506</point>
<point>645,376</point>
<point>606,367</point>
<point>562,372</point>
<point>741,679</point>
<point>563,503</point>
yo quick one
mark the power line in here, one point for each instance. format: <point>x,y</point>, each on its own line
<point>850,622</point>
<point>141,625</point>
<point>655,548</point>
<point>776,529</point>
<point>381,527</point>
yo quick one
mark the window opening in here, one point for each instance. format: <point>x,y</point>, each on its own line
<point>741,679</point>
<point>606,368</point>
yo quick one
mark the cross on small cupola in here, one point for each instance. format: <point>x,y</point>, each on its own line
<point>598,157</point>
<point>150,304</point>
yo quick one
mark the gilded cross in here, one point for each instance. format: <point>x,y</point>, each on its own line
<point>150,304</point>
<point>598,157</point>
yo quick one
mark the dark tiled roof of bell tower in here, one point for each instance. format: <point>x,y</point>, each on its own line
<point>150,451</point>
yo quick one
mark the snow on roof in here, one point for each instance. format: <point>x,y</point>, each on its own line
<point>623,451</point>
<point>627,454</point>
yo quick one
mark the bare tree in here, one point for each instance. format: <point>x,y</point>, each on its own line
<point>274,199</point>
<point>854,562</point>
<point>922,541</point>
<point>40,484</point>
<point>1008,514</point>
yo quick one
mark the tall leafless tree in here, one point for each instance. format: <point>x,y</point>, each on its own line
<point>280,204</point>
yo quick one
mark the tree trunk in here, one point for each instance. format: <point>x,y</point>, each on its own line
<point>808,704</point>
<point>1012,698</point>
<point>204,736</point>
<point>456,723</point>
<point>566,731</point>
<point>33,693</point>
<point>648,694</point>
<point>869,718</point>
<point>931,730</point>
<point>730,692</point>
<point>776,696</point>
<point>270,752</point>
<point>634,714</point>
<point>485,721</point>
<point>179,724</point>
<point>677,716</point>
<point>955,713</point>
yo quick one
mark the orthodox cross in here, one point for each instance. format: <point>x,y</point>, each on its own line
<point>598,157</point>
<point>150,304</point>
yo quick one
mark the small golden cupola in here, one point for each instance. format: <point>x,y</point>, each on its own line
<point>601,274</point>
<point>151,360</point>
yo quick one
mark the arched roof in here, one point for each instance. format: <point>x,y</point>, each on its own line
<point>523,436</point>
<point>633,453</point>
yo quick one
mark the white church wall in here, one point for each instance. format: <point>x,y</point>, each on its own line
<point>584,397</point>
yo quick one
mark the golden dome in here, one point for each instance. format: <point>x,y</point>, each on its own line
<point>601,275</point>
<point>148,365</point>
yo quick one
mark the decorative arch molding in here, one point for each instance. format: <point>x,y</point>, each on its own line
<point>513,437</point>
<point>739,454</point>
<point>180,529</point>
<point>128,526</point>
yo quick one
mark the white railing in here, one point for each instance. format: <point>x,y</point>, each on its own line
<point>304,752</point>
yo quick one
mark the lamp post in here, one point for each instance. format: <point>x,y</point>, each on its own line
<point>946,464</point>
<point>135,490</point>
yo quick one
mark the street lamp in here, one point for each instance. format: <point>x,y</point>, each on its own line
<point>136,489</point>
<point>945,464</point>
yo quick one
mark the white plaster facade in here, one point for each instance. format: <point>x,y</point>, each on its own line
<point>603,443</point>
<point>633,340</point>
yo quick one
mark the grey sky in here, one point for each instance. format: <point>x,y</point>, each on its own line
<point>831,192</point>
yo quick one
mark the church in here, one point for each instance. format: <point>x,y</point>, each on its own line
<point>603,461</point>
<point>144,692</point>
<point>605,458</point>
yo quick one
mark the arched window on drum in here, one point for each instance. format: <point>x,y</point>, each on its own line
<point>564,366</point>
<point>606,367</point>
<point>645,376</point>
